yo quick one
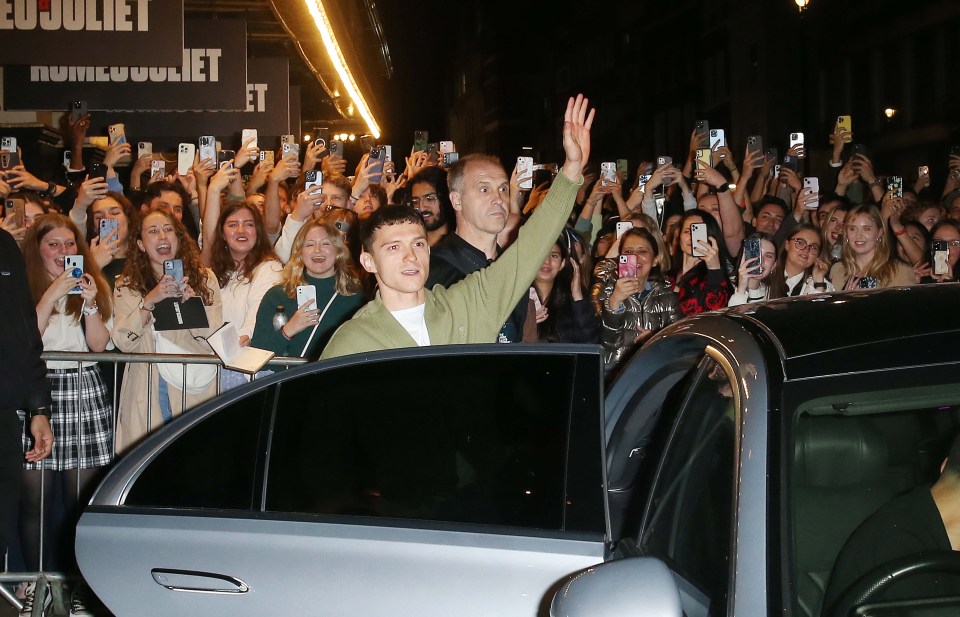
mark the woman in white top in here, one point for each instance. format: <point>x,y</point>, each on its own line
<point>73,314</point>
<point>754,274</point>
<point>800,269</point>
<point>237,249</point>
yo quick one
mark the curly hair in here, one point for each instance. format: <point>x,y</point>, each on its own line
<point>138,273</point>
<point>39,279</point>
<point>222,262</point>
<point>346,272</point>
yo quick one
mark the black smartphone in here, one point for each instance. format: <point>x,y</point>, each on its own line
<point>225,156</point>
<point>78,109</point>
<point>791,162</point>
<point>98,170</point>
<point>772,155</point>
<point>9,160</point>
<point>433,153</point>
<point>859,149</point>
<point>751,251</point>
<point>336,149</point>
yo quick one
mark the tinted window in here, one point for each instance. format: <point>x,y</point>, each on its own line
<point>212,465</point>
<point>689,518</point>
<point>473,439</point>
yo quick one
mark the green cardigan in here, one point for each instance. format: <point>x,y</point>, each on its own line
<point>473,310</point>
<point>265,337</point>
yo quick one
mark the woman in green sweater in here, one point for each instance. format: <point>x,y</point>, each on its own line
<point>319,257</point>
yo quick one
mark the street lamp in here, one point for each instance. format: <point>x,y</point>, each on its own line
<point>889,112</point>
<point>802,4</point>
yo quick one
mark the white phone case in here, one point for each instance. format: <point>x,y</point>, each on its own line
<point>524,166</point>
<point>185,154</point>
<point>698,232</point>
<point>246,135</point>
<point>305,293</point>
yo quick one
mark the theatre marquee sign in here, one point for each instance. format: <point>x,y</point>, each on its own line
<point>91,32</point>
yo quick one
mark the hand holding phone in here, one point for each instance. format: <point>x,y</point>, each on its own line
<point>940,253</point>
<point>74,265</point>
<point>108,227</point>
<point>525,172</point>
<point>751,252</point>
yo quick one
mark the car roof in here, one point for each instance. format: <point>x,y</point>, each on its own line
<point>850,331</point>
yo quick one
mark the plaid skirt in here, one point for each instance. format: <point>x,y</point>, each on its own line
<point>79,402</point>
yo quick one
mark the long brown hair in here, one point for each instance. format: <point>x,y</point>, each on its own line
<point>347,276</point>
<point>138,274</point>
<point>882,266</point>
<point>39,278</point>
<point>222,262</point>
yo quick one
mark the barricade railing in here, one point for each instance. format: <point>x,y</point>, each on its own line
<point>49,582</point>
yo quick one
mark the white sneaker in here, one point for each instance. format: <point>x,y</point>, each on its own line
<point>80,601</point>
<point>27,610</point>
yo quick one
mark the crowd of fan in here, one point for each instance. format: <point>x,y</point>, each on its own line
<point>638,254</point>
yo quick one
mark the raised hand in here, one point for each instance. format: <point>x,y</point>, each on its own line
<point>577,122</point>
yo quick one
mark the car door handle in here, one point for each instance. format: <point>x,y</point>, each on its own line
<point>198,582</point>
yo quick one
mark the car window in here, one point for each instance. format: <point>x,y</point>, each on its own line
<point>862,461</point>
<point>212,465</point>
<point>465,439</point>
<point>690,509</point>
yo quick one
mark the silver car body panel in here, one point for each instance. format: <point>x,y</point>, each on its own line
<point>330,569</point>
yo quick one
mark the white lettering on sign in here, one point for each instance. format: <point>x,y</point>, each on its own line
<point>257,97</point>
<point>76,15</point>
<point>199,65</point>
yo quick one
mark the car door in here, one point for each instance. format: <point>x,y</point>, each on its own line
<point>463,480</point>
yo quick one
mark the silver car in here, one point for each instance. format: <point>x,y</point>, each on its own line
<point>720,474</point>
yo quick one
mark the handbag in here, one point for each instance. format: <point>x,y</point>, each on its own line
<point>198,376</point>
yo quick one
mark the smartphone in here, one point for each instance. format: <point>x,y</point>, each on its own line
<point>118,135</point>
<point>623,227</point>
<point>287,139</point>
<point>813,184</point>
<point>78,109</point>
<point>623,170</point>
<point>868,282</point>
<point>321,137</point>
<point>775,172</point>
<point>312,178</point>
<point>107,228</point>
<point>208,148</point>
<point>185,155</point>
<point>8,144</point>
<point>67,154</point>
<point>389,170</point>
<point>266,156</point>
<point>336,149</point>
<point>923,171</point>
<point>755,143</point>
<point>98,170</point>
<point>702,126</point>
<point>174,267</point>
<point>940,252</point>
<point>717,138</point>
<point>698,233</point>
<point>859,149</point>
<point>791,162</point>
<point>387,153</point>
<point>246,135</point>
<point>525,166</point>
<point>158,167</point>
<point>536,299</point>
<point>704,157</point>
<point>446,146</point>
<point>627,266</point>
<point>642,180</point>
<point>225,159</point>
<point>74,265</point>
<point>306,293</point>
<point>796,139</point>
<point>420,140</point>
<point>292,150</point>
<point>895,186</point>
<point>751,251</point>
<point>449,158</point>
<point>16,212</point>
<point>433,153</point>
<point>845,123</point>
<point>772,155</point>
<point>144,148</point>
<point>608,173</point>
<point>375,163</point>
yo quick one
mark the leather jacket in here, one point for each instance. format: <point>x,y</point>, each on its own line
<point>653,308</point>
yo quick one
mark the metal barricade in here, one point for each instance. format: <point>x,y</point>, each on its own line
<point>51,583</point>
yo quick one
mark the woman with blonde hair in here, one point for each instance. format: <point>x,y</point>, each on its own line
<point>867,260</point>
<point>319,259</point>
<point>73,314</point>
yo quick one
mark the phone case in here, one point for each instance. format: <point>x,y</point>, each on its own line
<point>446,146</point>
<point>185,154</point>
<point>174,267</point>
<point>246,135</point>
<point>941,253</point>
<point>107,227</point>
<point>704,157</point>
<point>698,231</point>
<point>755,143</point>
<point>525,165</point>
<point>305,293</point>
<point>158,167</point>
<point>623,228</point>
<point>73,263</point>
<point>608,173</point>
<point>627,266</point>
<point>144,147</point>
<point>312,178</point>
<point>751,251</point>
<point>336,148</point>
<point>208,148</point>
<point>8,144</point>
<point>717,138</point>
<point>287,139</point>
<point>420,140</point>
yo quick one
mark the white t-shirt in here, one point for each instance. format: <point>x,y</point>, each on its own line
<point>413,322</point>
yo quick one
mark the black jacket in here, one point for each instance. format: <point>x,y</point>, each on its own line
<point>23,375</point>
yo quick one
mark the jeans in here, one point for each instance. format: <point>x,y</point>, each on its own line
<point>166,412</point>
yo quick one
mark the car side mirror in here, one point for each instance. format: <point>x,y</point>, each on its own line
<point>633,587</point>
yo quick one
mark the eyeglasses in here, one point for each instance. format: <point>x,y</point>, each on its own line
<point>803,245</point>
<point>429,198</point>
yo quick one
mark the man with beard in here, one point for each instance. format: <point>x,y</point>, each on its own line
<point>430,195</point>
<point>480,217</point>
